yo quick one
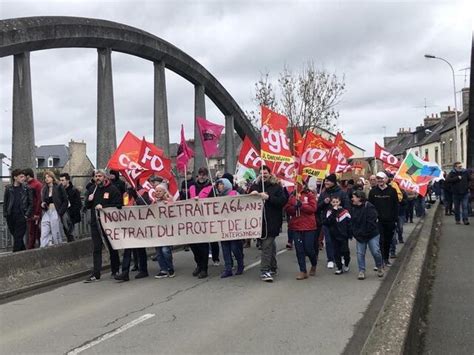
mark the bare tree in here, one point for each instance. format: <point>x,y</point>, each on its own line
<point>309,99</point>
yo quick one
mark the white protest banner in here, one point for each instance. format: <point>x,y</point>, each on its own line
<point>184,222</point>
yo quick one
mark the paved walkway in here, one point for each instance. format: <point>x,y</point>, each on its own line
<point>451,317</point>
<point>185,315</point>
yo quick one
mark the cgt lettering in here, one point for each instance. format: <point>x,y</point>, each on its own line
<point>276,140</point>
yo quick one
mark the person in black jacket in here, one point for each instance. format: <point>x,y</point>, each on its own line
<point>338,221</point>
<point>73,215</point>
<point>104,194</point>
<point>385,199</point>
<point>331,189</point>
<point>17,208</point>
<point>366,232</point>
<point>274,199</point>
<point>54,203</point>
<point>114,177</point>
<point>459,178</point>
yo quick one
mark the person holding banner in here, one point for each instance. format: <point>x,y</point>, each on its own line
<point>301,208</point>
<point>102,195</point>
<point>270,189</point>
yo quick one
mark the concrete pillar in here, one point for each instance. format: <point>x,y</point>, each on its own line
<point>106,137</point>
<point>230,153</point>
<point>161,134</point>
<point>23,135</point>
<point>199,111</point>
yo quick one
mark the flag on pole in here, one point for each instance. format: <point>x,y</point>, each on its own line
<point>210,134</point>
<point>184,153</point>
<point>343,147</point>
<point>273,139</point>
<point>385,156</point>
<point>314,156</point>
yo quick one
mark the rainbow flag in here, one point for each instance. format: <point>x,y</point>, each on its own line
<point>415,173</point>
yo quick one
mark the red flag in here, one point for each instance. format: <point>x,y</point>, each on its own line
<point>273,141</point>
<point>343,147</point>
<point>184,153</point>
<point>126,153</point>
<point>152,158</point>
<point>315,156</point>
<point>386,156</point>
<point>284,171</point>
<point>249,156</point>
<point>298,142</point>
<point>210,134</point>
<point>338,162</point>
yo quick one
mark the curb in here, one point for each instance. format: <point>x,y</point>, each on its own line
<point>392,331</point>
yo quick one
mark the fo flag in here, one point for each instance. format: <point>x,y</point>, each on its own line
<point>249,156</point>
<point>338,162</point>
<point>210,134</point>
<point>315,156</point>
<point>184,153</point>
<point>273,140</point>
<point>384,155</point>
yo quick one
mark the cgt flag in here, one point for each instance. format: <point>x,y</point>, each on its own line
<point>273,140</point>
<point>315,156</point>
<point>210,134</point>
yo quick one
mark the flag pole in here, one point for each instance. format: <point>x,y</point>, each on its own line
<point>210,177</point>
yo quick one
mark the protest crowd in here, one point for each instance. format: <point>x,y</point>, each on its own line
<point>322,212</point>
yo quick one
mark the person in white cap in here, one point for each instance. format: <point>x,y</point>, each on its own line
<point>385,200</point>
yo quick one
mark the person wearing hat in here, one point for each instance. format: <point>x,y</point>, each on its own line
<point>331,189</point>
<point>104,194</point>
<point>385,199</point>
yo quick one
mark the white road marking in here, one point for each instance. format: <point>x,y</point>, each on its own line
<point>258,262</point>
<point>111,334</point>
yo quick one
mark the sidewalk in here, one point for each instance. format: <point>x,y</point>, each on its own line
<point>451,315</point>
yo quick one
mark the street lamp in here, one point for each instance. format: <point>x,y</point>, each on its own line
<point>458,137</point>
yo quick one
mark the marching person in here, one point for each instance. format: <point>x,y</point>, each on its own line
<point>272,220</point>
<point>230,247</point>
<point>385,200</point>
<point>34,222</point>
<point>331,189</point>
<point>366,233</point>
<point>301,209</point>
<point>459,180</point>
<point>102,195</point>
<point>201,189</point>
<point>17,208</point>
<point>54,203</point>
<point>338,221</point>
<point>73,215</point>
<point>164,254</point>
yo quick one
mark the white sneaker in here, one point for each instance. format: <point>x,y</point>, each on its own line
<point>216,263</point>
<point>330,265</point>
<point>376,268</point>
<point>345,268</point>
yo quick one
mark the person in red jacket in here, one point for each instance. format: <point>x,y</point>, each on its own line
<point>35,221</point>
<point>301,208</point>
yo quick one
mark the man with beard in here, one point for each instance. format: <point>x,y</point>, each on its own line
<point>102,195</point>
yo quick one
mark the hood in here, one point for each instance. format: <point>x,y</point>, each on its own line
<point>227,186</point>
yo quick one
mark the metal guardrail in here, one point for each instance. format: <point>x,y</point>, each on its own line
<point>6,239</point>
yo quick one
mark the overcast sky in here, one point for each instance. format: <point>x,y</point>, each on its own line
<point>377,45</point>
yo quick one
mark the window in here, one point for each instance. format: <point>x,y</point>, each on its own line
<point>436,155</point>
<point>451,159</point>
<point>427,157</point>
<point>50,162</point>
<point>36,159</point>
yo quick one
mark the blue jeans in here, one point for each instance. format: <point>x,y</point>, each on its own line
<point>460,203</point>
<point>399,232</point>
<point>290,237</point>
<point>420,207</point>
<point>374,246</point>
<point>304,247</point>
<point>235,247</point>
<point>165,258</point>
<point>328,242</point>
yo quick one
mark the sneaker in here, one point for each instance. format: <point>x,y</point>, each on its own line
<point>375,268</point>
<point>302,276</point>
<point>141,275</point>
<point>289,246</point>
<point>274,272</point>
<point>216,263</point>
<point>266,276</point>
<point>202,274</point>
<point>330,264</point>
<point>387,263</point>
<point>162,274</point>
<point>312,271</point>
<point>345,268</point>
<point>91,278</point>
<point>122,277</point>
<point>134,268</point>
<point>113,274</point>
<point>380,272</point>
<point>171,274</point>
<point>361,275</point>
<point>226,273</point>
<point>210,255</point>
<point>240,270</point>
<point>186,248</point>
<point>154,258</point>
<point>196,271</point>
<point>339,272</point>
<point>466,223</point>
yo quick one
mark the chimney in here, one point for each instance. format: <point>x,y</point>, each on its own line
<point>446,115</point>
<point>465,99</point>
<point>449,108</point>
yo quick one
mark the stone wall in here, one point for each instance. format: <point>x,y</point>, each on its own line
<point>79,165</point>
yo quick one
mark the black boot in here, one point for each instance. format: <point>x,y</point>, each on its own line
<point>202,274</point>
<point>122,277</point>
<point>196,271</point>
